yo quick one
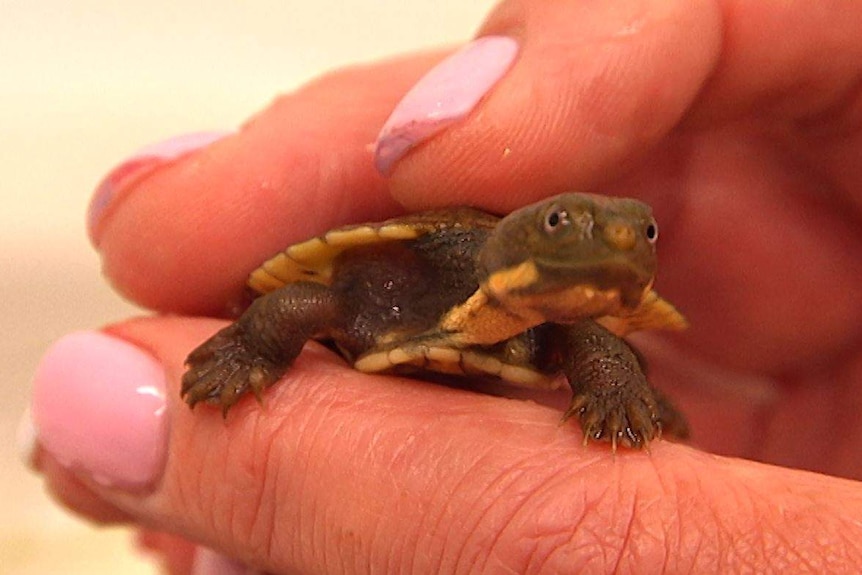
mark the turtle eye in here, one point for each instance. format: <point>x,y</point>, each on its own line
<point>651,232</point>
<point>555,219</point>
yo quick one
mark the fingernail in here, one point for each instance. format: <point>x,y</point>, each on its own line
<point>443,96</point>
<point>141,164</point>
<point>208,562</point>
<point>99,408</point>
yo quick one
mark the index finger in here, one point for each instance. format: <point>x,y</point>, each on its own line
<point>182,236</point>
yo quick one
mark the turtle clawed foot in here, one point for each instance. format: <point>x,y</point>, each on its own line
<point>630,420</point>
<point>223,369</point>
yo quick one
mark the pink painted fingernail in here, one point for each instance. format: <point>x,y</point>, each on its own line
<point>443,96</point>
<point>141,164</point>
<point>99,408</point>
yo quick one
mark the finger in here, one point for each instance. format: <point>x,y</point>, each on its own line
<point>342,471</point>
<point>180,228</point>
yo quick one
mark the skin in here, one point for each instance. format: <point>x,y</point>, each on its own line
<point>739,122</point>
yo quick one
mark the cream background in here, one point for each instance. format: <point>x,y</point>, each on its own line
<point>83,84</point>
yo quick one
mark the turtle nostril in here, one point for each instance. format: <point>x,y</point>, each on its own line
<point>620,236</point>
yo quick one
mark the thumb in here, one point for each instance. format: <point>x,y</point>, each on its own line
<point>348,472</point>
<point>558,93</point>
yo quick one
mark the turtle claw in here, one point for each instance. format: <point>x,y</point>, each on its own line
<point>631,421</point>
<point>222,369</point>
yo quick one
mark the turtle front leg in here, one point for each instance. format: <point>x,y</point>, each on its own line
<point>610,392</point>
<point>255,351</point>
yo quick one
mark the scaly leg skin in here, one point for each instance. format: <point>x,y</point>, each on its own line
<point>255,351</point>
<point>610,393</point>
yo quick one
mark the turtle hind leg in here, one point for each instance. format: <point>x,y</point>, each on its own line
<point>256,350</point>
<point>610,393</point>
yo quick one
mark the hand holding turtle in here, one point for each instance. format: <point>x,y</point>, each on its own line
<point>745,148</point>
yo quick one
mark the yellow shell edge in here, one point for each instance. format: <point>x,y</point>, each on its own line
<point>311,260</point>
<point>455,361</point>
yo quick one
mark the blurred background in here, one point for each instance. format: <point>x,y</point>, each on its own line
<point>82,85</point>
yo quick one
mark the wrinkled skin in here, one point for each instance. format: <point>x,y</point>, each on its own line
<point>747,144</point>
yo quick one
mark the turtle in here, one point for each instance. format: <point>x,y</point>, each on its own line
<point>538,298</point>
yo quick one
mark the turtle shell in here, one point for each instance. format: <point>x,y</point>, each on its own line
<point>312,259</point>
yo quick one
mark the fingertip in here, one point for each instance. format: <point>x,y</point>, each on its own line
<point>126,175</point>
<point>185,237</point>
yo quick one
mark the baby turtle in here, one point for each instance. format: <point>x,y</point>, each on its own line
<point>548,290</point>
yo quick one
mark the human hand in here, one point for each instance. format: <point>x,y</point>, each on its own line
<point>739,124</point>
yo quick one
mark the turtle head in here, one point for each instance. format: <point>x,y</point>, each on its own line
<point>572,256</point>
